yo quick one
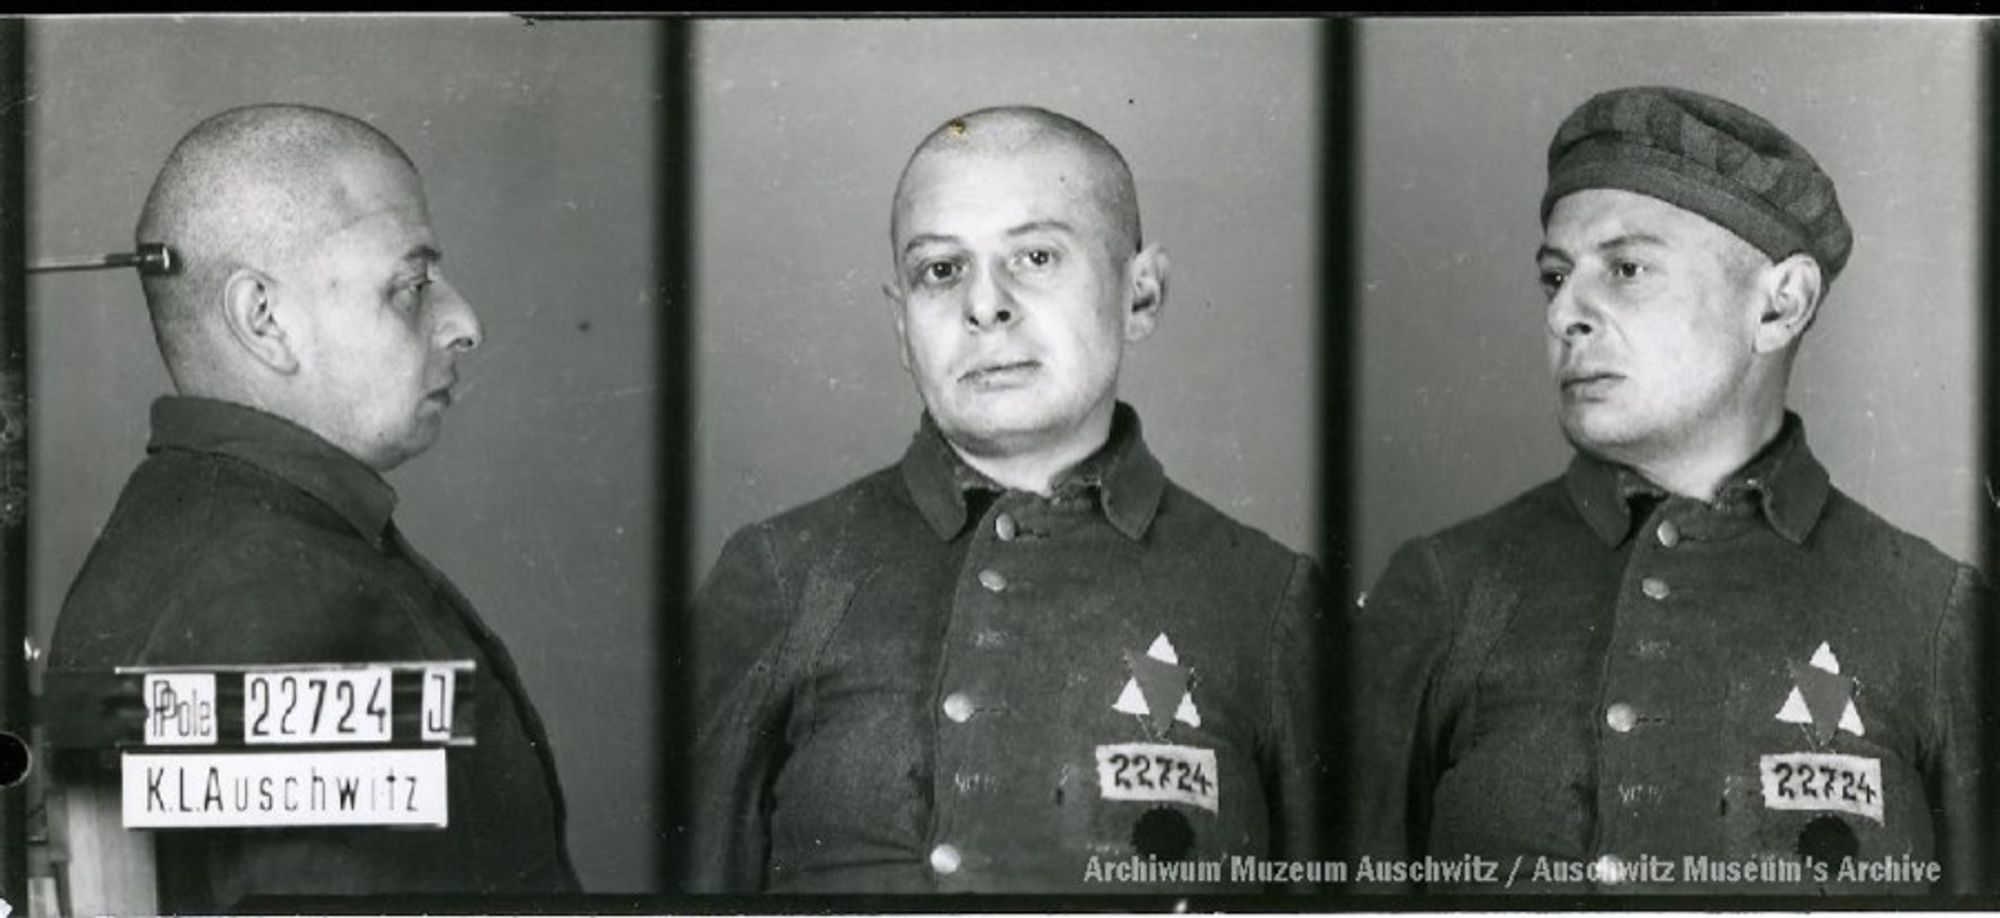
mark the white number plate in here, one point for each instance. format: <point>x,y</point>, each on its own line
<point>1823,781</point>
<point>387,787</point>
<point>286,707</point>
<point>1159,772</point>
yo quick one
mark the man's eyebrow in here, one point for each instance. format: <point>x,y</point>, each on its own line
<point>1629,239</point>
<point>1032,226</point>
<point>1036,226</point>
<point>424,252</point>
<point>1609,245</point>
<point>922,239</point>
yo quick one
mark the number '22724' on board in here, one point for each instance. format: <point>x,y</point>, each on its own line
<point>1159,772</point>
<point>1823,781</point>
<point>317,706</point>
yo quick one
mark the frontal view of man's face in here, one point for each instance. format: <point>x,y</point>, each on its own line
<point>385,328</point>
<point>1652,316</point>
<point>1012,303</point>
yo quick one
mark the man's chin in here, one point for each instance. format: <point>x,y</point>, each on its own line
<point>1600,433</point>
<point>996,433</point>
<point>992,440</point>
<point>412,444</point>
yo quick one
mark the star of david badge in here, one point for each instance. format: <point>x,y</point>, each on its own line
<point>1158,691</point>
<point>1821,697</point>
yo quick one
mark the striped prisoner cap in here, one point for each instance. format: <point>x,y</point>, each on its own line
<point>1707,156</point>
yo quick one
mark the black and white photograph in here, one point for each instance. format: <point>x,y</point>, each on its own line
<point>983,561</point>
<point>1669,456</point>
<point>462,467</point>
<point>500,463</point>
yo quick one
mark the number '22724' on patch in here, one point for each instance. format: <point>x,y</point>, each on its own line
<point>317,706</point>
<point>1823,781</point>
<point>1159,772</point>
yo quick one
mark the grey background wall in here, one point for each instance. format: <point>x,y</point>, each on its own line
<point>1456,414</point>
<point>801,131</point>
<point>536,146</point>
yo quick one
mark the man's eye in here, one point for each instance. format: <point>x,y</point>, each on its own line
<point>1628,270</point>
<point>411,293</point>
<point>1036,258</point>
<point>937,272</point>
<point>1552,280</point>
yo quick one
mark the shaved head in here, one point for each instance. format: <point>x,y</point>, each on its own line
<point>252,187</point>
<point>1021,130</point>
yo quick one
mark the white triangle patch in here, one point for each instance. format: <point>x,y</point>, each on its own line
<point>1850,719</point>
<point>1186,713</point>
<point>1794,711</point>
<point>1131,700</point>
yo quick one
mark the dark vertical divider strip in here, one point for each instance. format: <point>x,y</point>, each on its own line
<point>1338,329</point>
<point>675,353</point>
<point>1989,531</point>
<point>14,702</point>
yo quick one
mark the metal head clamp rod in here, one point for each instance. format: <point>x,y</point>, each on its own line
<point>152,258</point>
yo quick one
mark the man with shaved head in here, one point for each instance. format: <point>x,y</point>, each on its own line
<point>1021,659</point>
<point>1689,663</point>
<point>312,341</point>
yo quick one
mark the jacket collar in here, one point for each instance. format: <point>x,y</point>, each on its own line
<point>1784,481</point>
<point>1127,479</point>
<point>281,448</point>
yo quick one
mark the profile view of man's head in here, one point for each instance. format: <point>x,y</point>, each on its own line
<point>310,285</point>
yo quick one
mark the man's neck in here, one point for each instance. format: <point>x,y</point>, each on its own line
<point>250,397</point>
<point>1037,470</point>
<point>220,386</point>
<point>1699,472</point>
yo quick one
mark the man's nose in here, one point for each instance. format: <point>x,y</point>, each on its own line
<point>1572,311</point>
<point>988,302</point>
<point>458,327</point>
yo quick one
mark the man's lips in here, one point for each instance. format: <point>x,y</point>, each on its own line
<point>999,373</point>
<point>1589,382</point>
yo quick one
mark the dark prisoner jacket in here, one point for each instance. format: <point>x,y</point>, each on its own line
<point>1601,674</point>
<point>928,683</point>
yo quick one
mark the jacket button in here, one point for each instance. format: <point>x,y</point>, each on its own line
<point>1670,534</point>
<point>1611,870</point>
<point>992,580</point>
<point>945,859</point>
<point>1621,717</point>
<point>1654,588</point>
<point>1004,527</point>
<point>958,707</point>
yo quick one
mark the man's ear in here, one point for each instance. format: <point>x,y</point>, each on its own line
<point>896,320</point>
<point>250,313</point>
<point>1148,292</point>
<point>1791,291</point>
